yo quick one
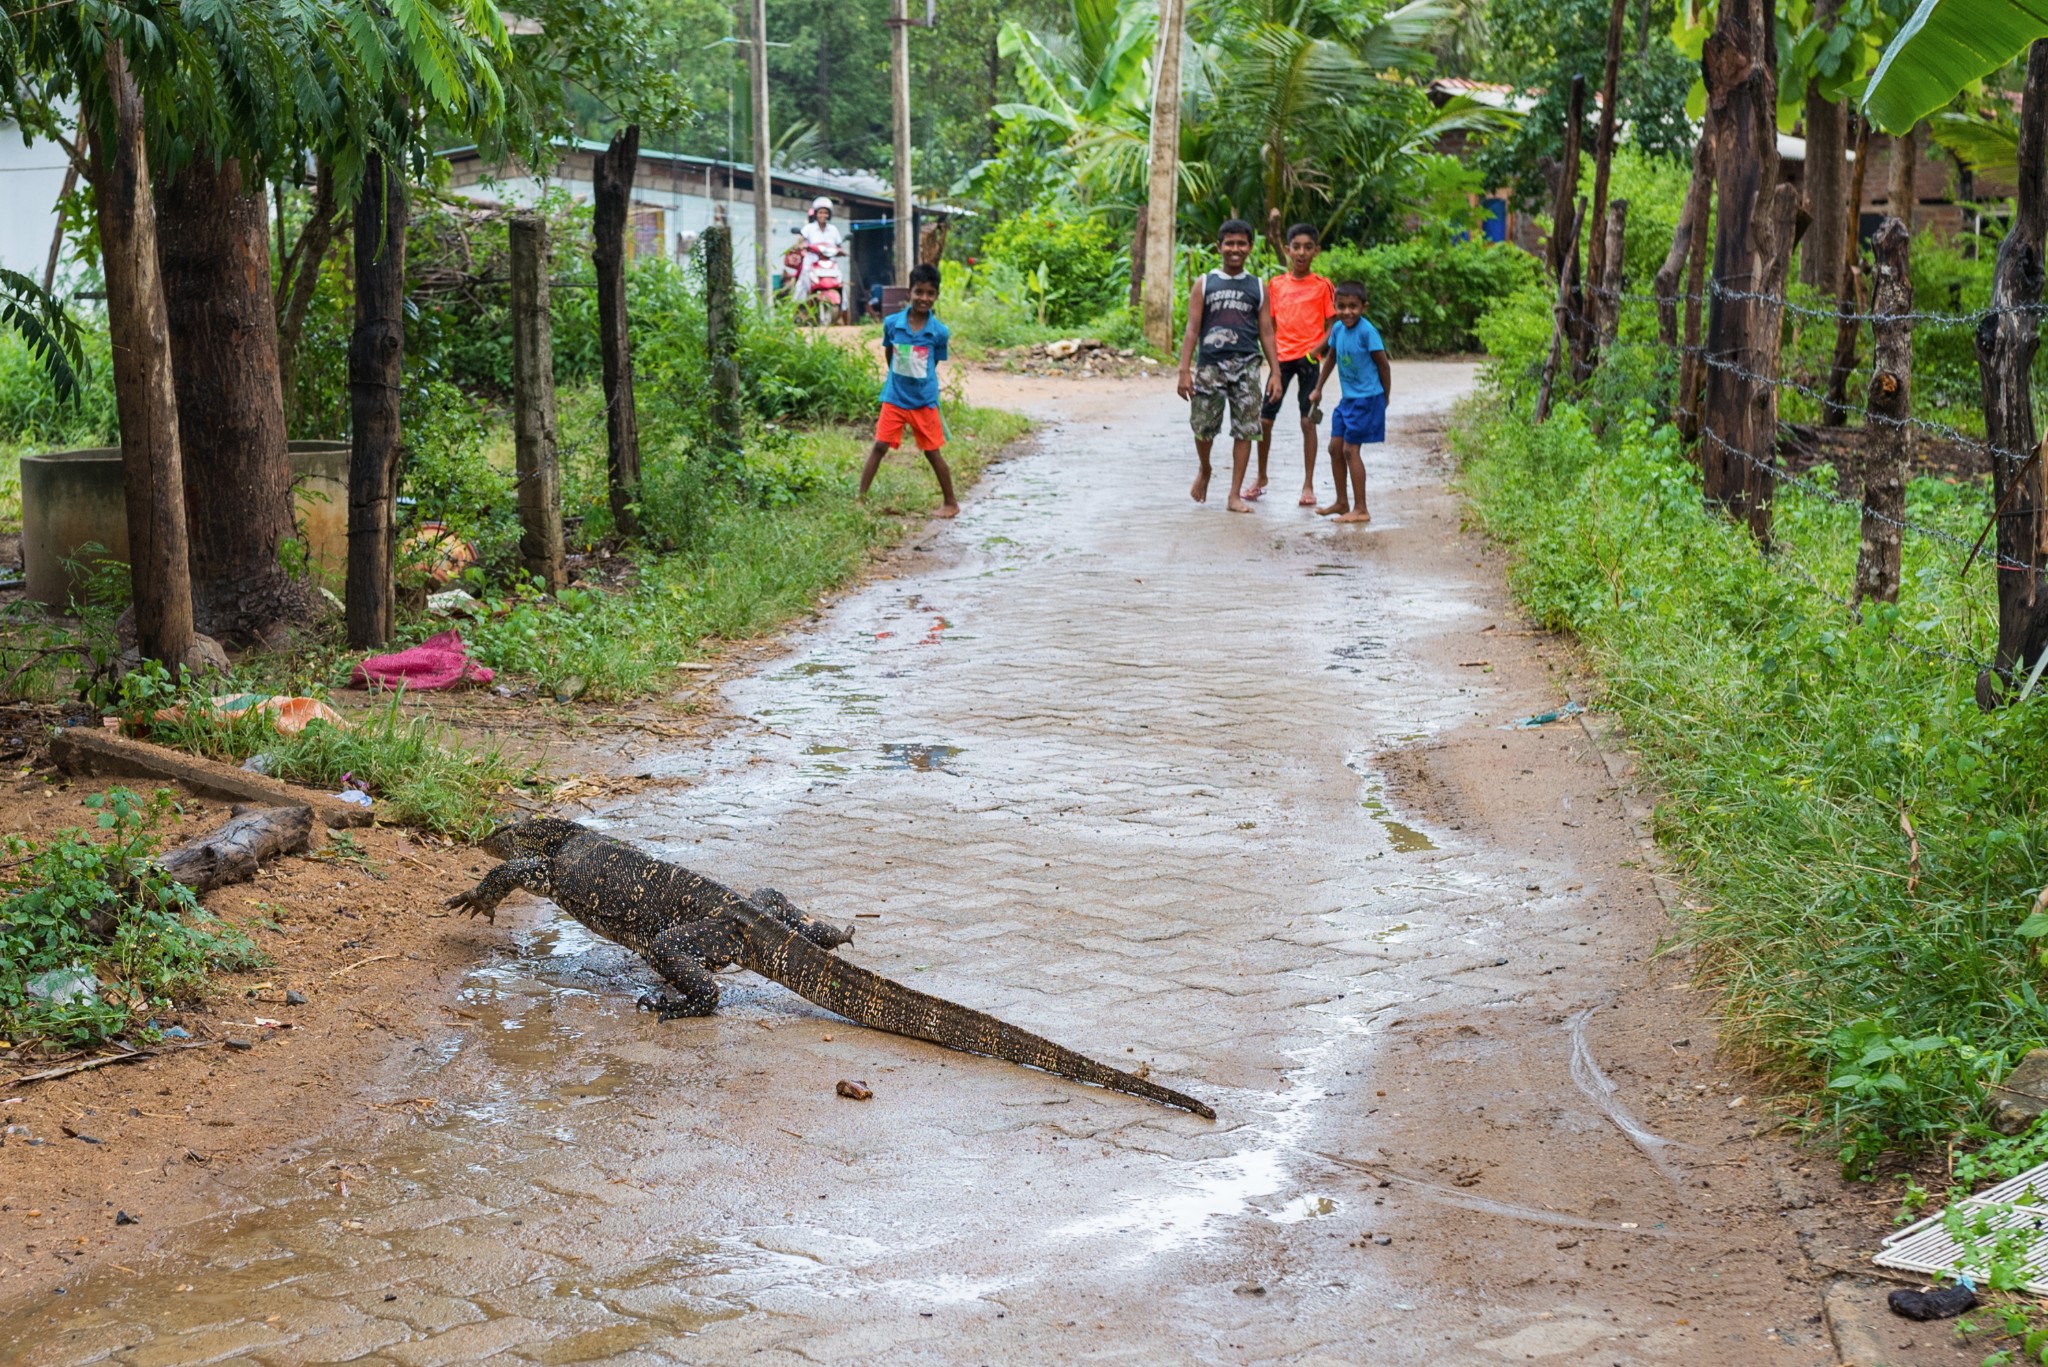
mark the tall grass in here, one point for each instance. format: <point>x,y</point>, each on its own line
<point>1863,843</point>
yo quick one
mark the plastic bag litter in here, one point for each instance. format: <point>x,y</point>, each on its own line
<point>62,986</point>
<point>1570,709</point>
<point>353,798</point>
<point>290,715</point>
<point>454,603</point>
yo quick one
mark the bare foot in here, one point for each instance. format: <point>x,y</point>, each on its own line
<point>1360,516</point>
<point>1200,493</point>
<point>1238,505</point>
<point>1308,497</point>
<point>948,510</point>
<point>1329,508</point>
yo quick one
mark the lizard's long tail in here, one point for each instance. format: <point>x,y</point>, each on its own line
<point>868,998</point>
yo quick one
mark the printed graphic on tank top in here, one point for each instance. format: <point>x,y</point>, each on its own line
<point>1230,315</point>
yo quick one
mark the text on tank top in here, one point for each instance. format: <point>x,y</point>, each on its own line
<point>1230,315</point>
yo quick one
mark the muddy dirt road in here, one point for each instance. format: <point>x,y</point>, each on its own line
<point>1227,796</point>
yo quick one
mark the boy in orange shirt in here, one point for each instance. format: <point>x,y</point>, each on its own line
<point>1303,305</point>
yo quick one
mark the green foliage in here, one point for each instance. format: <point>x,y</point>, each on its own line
<point>1890,975</point>
<point>420,773</point>
<point>1946,47</point>
<point>33,414</point>
<point>78,904</point>
<point>1073,267</point>
<point>1428,296</point>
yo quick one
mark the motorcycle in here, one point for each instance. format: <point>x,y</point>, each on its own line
<point>819,290</point>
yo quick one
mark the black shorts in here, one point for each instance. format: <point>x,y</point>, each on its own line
<point>1303,369</point>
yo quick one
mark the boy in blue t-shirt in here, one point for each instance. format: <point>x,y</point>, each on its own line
<point>1354,351</point>
<point>913,344</point>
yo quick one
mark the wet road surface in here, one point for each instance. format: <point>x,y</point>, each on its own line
<point>1103,764</point>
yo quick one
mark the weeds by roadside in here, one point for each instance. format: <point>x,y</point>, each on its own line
<point>1865,844</point>
<point>93,937</point>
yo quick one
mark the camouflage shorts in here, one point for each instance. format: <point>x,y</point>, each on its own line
<point>1234,384</point>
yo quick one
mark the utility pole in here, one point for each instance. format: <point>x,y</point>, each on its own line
<point>899,98</point>
<point>762,179</point>
<point>1160,197</point>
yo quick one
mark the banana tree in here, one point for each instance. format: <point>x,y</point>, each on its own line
<point>1944,47</point>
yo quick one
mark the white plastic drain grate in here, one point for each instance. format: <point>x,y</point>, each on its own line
<point>2019,1205</point>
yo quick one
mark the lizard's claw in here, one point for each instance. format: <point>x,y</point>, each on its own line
<point>668,1006</point>
<point>472,905</point>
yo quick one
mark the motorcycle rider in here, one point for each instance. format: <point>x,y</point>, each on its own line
<point>822,244</point>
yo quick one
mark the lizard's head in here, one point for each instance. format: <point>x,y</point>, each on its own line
<point>537,836</point>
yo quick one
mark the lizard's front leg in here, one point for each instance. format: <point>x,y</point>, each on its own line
<point>531,874</point>
<point>686,956</point>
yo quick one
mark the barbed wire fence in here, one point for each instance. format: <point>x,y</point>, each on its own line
<point>1608,323</point>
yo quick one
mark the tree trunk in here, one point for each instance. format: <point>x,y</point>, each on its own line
<point>376,366</point>
<point>1567,176</point>
<point>1827,174</point>
<point>299,281</point>
<point>721,335</point>
<point>1888,440</point>
<point>1606,291</point>
<point>1899,194</point>
<point>1137,297</point>
<point>1692,223</point>
<point>145,394</point>
<point>533,404</point>
<point>1753,241</point>
<point>1849,295</point>
<point>1603,160</point>
<point>1692,369</point>
<point>2006,341</point>
<point>1162,178</point>
<point>215,253</point>
<point>613,190</point>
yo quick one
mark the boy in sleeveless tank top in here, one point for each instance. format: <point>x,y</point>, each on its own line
<point>1229,333</point>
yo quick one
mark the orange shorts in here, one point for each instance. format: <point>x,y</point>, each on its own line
<point>924,425</point>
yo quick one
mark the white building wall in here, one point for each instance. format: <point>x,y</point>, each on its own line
<point>31,177</point>
<point>688,212</point>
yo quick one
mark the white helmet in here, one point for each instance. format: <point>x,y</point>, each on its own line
<point>821,202</point>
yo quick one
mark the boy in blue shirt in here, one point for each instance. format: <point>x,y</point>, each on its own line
<point>913,344</point>
<point>1358,356</point>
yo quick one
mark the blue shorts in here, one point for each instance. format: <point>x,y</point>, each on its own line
<point>1360,421</point>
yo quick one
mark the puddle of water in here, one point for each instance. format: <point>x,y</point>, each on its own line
<point>812,667</point>
<point>918,755</point>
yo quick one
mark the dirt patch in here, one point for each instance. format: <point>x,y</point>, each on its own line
<point>1080,358</point>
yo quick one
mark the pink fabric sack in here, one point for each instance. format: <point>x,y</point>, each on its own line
<point>437,662</point>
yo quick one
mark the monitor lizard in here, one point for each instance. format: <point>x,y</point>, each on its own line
<point>688,926</point>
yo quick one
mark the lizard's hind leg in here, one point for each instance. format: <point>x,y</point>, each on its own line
<point>823,934</point>
<point>686,957</point>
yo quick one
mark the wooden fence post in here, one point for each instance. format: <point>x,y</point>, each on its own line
<point>1692,225</point>
<point>1888,441</point>
<point>1605,290</point>
<point>376,366</point>
<point>1849,296</point>
<point>1597,264</point>
<point>1567,176</point>
<point>2006,342</point>
<point>1753,241</point>
<point>721,339</point>
<point>612,191</point>
<point>533,404</point>
<point>1560,313</point>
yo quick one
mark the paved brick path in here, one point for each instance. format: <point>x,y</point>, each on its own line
<point>1101,771</point>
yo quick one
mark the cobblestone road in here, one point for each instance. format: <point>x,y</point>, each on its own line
<point>1103,765</point>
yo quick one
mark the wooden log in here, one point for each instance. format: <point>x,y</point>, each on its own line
<point>233,852</point>
<point>1890,445</point>
<point>87,753</point>
<point>533,405</point>
<point>612,189</point>
<point>1560,316</point>
<point>1849,294</point>
<point>1692,223</point>
<point>2006,341</point>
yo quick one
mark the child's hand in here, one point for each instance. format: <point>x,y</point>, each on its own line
<point>1186,387</point>
<point>1273,387</point>
<point>1315,396</point>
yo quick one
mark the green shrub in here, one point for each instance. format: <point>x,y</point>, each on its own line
<point>1427,296</point>
<point>1071,268</point>
<point>76,904</point>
